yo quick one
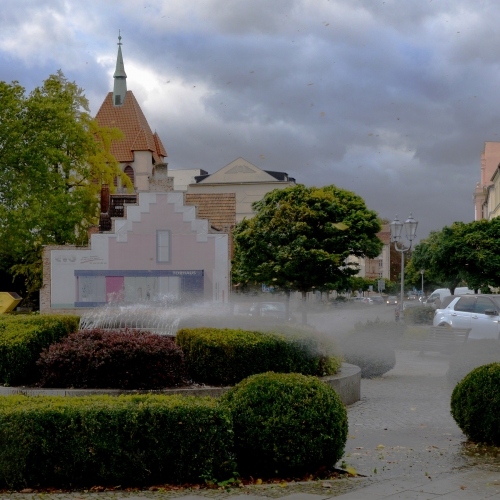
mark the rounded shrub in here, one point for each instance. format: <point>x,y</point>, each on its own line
<point>419,315</point>
<point>373,359</point>
<point>471,355</point>
<point>475,404</point>
<point>223,356</point>
<point>123,359</point>
<point>371,346</point>
<point>286,423</point>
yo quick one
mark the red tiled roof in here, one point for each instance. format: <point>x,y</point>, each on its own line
<point>219,208</point>
<point>159,145</point>
<point>130,119</point>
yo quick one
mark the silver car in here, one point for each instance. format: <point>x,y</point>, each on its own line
<point>480,313</point>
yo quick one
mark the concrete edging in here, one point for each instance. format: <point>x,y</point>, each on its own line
<point>347,383</point>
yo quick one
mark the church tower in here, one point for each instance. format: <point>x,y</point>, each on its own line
<point>120,87</point>
<point>139,150</point>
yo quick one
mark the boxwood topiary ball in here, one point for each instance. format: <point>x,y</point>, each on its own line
<point>286,422</point>
<point>475,404</point>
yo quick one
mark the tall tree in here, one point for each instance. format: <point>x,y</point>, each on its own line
<point>437,254</point>
<point>301,238</point>
<point>479,253</point>
<point>463,252</point>
<point>51,151</point>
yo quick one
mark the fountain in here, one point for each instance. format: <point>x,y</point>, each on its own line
<point>161,317</point>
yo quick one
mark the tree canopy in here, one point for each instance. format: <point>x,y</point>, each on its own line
<point>302,237</point>
<point>53,158</point>
<point>463,252</point>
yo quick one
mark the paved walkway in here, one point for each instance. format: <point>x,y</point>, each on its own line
<point>402,438</point>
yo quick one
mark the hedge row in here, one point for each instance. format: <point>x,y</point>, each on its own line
<point>123,359</point>
<point>22,339</point>
<point>419,315</point>
<point>126,440</point>
<point>223,356</point>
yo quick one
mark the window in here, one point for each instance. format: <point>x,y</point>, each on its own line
<point>130,172</point>
<point>483,303</point>
<point>91,288</point>
<point>118,100</point>
<point>163,246</point>
<point>465,304</point>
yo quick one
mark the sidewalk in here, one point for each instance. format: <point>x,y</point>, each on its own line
<point>402,438</point>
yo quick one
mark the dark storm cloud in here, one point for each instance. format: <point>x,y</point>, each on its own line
<point>391,100</point>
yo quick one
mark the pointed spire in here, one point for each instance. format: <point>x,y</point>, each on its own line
<point>120,86</point>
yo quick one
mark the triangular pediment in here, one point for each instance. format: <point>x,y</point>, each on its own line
<point>239,170</point>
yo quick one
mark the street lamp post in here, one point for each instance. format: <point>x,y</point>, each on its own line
<point>410,226</point>
<point>422,273</point>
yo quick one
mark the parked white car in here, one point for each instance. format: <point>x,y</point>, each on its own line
<point>480,313</point>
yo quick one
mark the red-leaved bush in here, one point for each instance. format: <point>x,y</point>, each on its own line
<point>124,359</point>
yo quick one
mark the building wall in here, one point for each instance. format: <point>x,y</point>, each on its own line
<point>143,167</point>
<point>123,265</point>
<point>490,160</point>
<point>491,205</point>
<point>246,194</point>
<point>184,177</point>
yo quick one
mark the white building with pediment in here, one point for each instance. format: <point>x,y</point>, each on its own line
<point>248,182</point>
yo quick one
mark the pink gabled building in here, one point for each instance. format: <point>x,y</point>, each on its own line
<point>490,161</point>
<point>151,245</point>
<point>159,250</point>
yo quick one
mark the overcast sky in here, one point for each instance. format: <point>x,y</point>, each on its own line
<point>391,99</point>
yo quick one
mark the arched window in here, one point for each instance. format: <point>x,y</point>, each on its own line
<point>130,172</point>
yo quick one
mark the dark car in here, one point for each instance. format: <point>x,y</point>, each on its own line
<point>377,300</point>
<point>391,300</point>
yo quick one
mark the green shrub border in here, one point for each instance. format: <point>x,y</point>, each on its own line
<point>126,440</point>
<point>225,357</point>
<point>22,339</point>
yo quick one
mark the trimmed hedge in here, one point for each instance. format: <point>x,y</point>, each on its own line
<point>126,440</point>
<point>475,404</point>
<point>286,423</point>
<point>471,355</point>
<point>124,359</point>
<point>22,338</point>
<point>222,356</point>
<point>419,315</point>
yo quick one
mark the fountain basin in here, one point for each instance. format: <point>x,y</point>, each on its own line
<point>347,383</point>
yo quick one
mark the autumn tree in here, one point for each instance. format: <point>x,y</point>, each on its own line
<point>53,157</point>
<point>301,238</point>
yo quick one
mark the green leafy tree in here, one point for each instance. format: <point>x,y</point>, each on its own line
<point>413,278</point>
<point>437,254</point>
<point>479,253</point>
<point>463,252</point>
<point>301,238</point>
<point>53,158</point>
